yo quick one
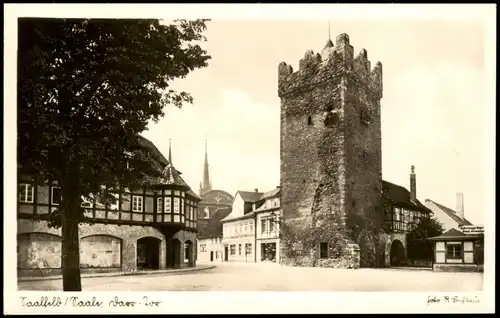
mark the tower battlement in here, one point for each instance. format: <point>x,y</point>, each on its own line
<point>334,61</point>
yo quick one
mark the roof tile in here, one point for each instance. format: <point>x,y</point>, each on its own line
<point>213,227</point>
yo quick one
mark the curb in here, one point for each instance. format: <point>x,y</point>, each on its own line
<point>115,274</point>
<point>411,268</point>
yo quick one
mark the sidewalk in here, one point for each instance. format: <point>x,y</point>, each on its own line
<point>111,274</point>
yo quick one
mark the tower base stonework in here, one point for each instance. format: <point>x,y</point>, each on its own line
<point>301,244</point>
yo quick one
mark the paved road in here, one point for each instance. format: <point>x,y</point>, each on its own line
<point>272,277</point>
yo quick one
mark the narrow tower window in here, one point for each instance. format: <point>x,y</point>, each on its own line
<point>309,120</point>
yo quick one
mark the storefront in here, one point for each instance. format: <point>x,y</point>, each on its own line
<point>268,252</point>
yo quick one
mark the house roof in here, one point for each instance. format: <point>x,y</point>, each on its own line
<point>254,197</point>
<point>263,208</point>
<point>249,215</point>
<point>249,196</point>
<point>400,196</point>
<point>452,214</point>
<point>213,228</point>
<point>270,194</point>
<point>453,234</point>
<point>158,156</point>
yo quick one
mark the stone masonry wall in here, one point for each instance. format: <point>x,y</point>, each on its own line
<point>364,155</point>
<point>322,144</point>
<point>127,234</point>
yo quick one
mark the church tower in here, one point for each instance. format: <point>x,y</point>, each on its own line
<point>206,185</point>
<point>331,155</point>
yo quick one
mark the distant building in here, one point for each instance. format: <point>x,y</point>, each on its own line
<point>402,211</point>
<point>251,231</point>
<point>212,200</point>
<point>267,234</point>
<point>450,219</point>
<point>239,228</point>
<point>150,228</point>
<point>210,247</point>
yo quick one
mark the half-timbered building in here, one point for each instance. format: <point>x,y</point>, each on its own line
<point>149,228</point>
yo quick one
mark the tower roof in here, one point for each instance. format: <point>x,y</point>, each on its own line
<point>170,176</point>
<point>206,184</point>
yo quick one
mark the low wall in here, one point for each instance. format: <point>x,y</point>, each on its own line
<point>418,263</point>
<point>458,268</point>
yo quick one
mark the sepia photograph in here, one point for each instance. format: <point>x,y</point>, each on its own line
<point>158,152</point>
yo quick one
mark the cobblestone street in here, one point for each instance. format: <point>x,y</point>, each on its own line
<point>272,277</point>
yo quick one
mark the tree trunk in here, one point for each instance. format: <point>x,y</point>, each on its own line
<point>70,256</point>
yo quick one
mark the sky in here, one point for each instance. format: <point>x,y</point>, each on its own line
<point>432,109</point>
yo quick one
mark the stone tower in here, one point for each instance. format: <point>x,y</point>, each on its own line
<point>331,156</point>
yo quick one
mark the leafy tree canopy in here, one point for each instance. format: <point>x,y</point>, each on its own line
<point>86,90</point>
<point>418,245</point>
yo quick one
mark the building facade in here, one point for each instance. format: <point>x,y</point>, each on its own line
<point>239,228</point>
<point>267,234</point>
<point>150,228</point>
<point>239,239</point>
<point>210,247</point>
<point>449,218</point>
<point>403,211</point>
<point>251,232</point>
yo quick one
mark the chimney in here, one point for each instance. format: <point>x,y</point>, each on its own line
<point>413,185</point>
<point>460,205</point>
<point>256,190</point>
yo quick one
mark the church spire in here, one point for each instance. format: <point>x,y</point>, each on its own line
<point>169,151</point>
<point>206,185</point>
<point>206,173</point>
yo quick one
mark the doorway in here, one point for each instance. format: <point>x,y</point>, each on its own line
<point>211,256</point>
<point>397,255</point>
<point>148,253</point>
<point>174,254</point>
<point>226,253</point>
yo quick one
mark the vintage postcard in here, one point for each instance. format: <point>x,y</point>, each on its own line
<point>261,158</point>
